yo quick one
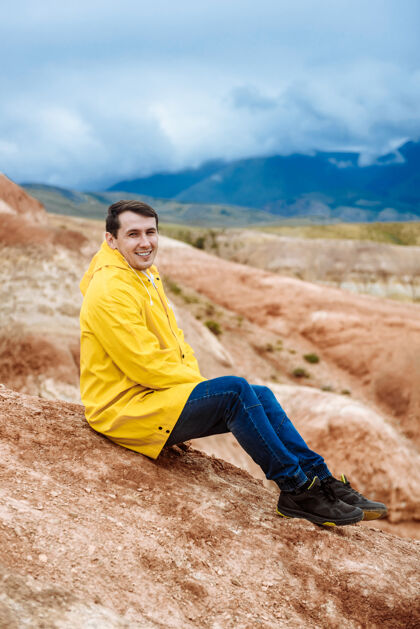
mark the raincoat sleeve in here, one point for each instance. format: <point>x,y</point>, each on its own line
<point>119,325</point>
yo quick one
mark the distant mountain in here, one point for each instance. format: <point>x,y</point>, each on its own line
<point>327,185</point>
<point>169,185</point>
<point>323,188</point>
<point>95,205</point>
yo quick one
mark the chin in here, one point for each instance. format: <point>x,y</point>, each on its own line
<point>141,266</point>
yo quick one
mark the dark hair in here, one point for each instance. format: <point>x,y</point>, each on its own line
<point>138,207</point>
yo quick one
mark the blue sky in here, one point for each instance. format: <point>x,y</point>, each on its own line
<point>95,91</point>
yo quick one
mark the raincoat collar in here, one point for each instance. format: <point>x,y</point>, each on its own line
<point>106,257</point>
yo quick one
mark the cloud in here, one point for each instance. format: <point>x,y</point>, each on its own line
<point>93,93</point>
<point>249,97</point>
<point>79,145</point>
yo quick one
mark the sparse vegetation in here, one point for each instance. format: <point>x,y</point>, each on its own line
<point>177,217</point>
<point>173,286</point>
<point>199,242</point>
<point>311,358</point>
<point>327,387</point>
<point>345,392</point>
<point>190,299</point>
<point>300,372</point>
<point>174,214</point>
<point>213,326</point>
<point>266,348</point>
<point>404,233</point>
<point>210,310</point>
<point>186,294</point>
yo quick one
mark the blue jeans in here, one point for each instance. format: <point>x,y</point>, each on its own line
<point>258,422</point>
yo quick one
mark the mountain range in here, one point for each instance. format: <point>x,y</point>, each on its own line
<point>324,185</point>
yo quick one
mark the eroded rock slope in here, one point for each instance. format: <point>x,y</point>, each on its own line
<point>371,345</point>
<point>184,541</point>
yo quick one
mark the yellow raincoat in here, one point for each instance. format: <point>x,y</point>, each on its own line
<point>137,371</point>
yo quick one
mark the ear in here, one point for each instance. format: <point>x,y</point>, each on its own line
<point>111,240</point>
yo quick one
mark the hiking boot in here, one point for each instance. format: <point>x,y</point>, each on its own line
<point>318,504</point>
<point>345,492</point>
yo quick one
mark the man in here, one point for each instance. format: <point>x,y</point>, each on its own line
<point>142,388</point>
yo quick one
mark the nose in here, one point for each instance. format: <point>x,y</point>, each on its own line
<point>144,241</point>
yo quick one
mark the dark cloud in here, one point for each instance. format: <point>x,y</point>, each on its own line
<point>92,92</point>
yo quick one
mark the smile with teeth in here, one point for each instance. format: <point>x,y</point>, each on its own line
<point>144,254</point>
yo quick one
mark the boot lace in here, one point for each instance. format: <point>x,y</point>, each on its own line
<point>348,486</point>
<point>328,492</point>
<point>333,482</point>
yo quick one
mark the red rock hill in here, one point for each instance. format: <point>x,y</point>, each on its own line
<point>95,535</point>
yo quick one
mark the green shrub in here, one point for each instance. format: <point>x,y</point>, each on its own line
<point>199,242</point>
<point>190,299</point>
<point>345,392</point>
<point>311,358</point>
<point>300,372</point>
<point>210,310</point>
<point>173,287</point>
<point>213,326</point>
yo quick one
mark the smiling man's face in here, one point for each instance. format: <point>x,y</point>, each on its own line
<point>137,239</point>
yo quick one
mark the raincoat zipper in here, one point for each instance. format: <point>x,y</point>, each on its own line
<point>163,305</point>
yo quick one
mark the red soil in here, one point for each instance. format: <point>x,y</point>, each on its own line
<point>184,541</point>
<point>17,201</point>
<point>24,355</point>
<point>24,221</point>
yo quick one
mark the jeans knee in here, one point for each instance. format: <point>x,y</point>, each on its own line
<point>264,393</point>
<point>236,383</point>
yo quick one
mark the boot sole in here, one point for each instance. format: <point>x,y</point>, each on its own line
<point>316,519</point>
<point>378,514</point>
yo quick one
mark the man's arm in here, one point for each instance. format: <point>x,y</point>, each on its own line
<point>119,325</point>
